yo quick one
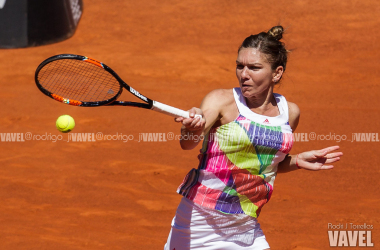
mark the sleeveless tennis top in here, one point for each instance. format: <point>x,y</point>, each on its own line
<point>238,161</point>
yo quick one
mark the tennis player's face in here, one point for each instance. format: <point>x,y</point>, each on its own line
<point>254,72</point>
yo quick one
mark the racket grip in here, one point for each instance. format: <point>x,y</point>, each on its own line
<point>169,110</point>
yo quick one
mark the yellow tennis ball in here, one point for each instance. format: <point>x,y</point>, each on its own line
<point>65,123</point>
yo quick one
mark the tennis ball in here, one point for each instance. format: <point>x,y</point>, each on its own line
<point>65,123</point>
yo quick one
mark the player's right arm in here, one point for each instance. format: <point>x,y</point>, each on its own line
<point>193,129</point>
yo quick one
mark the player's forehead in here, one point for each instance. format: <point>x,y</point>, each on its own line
<point>251,56</point>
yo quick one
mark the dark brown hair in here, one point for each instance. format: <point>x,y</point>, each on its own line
<point>269,44</point>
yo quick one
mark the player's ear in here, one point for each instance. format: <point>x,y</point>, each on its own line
<point>277,73</point>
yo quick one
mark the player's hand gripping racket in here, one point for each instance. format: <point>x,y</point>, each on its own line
<point>82,81</point>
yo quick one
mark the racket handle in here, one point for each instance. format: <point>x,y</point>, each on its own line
<point>169,110</point>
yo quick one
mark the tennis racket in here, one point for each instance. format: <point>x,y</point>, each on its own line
<point>83,81</point>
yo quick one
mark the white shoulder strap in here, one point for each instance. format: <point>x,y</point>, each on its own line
<point>281,119</point>
<point>282,105</point>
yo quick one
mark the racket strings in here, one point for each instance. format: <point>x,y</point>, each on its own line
<point>78,80</point>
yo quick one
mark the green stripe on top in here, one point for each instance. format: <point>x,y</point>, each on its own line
<point>266,156</point>
<point>236,145</point>
<point>247,206</point>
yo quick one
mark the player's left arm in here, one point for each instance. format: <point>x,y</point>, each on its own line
<point>310,160</point>
<point>294,115</point>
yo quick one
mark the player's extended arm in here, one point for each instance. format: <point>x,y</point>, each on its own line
<point>310,160</point>
<point>193,129</point>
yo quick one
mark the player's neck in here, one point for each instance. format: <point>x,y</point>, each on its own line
<point>263,103</point>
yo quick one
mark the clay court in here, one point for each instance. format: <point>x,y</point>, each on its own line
<point>111,194</point>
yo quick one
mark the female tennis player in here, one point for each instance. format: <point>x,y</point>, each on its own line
<point>248,135</point>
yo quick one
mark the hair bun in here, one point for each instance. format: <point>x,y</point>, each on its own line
<point>276,32</point>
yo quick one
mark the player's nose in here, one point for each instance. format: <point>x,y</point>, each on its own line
<point>244,72</point>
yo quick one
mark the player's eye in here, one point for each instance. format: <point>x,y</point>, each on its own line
<point>255,67</point>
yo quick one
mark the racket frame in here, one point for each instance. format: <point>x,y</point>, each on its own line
<point>148,103</point>
<point>112,101</point>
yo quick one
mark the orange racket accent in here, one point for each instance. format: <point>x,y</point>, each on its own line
<point>93,61</point>
<point>67,101</point>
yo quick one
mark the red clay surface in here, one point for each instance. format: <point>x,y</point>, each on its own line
<point>115,195</point>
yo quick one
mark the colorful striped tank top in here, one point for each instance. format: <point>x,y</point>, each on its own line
<point>238,161</point>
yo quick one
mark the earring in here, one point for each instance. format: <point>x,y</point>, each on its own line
<point>274,80</point>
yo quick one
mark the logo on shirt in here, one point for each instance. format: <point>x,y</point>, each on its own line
<point>266,121</point>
